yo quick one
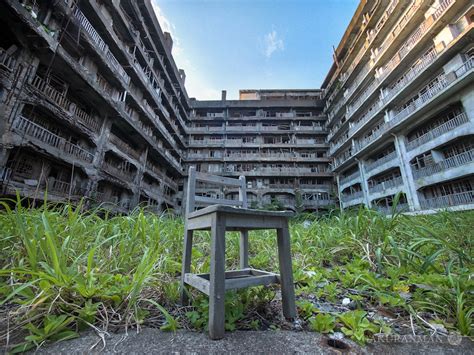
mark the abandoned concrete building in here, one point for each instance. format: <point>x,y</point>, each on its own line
<point>276,138</point>
<point>93,106</point>
<point>400,106</point>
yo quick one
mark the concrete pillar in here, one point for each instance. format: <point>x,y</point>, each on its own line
<point>467,101</point>
<point>363,183</point>
<point>339,192</point>
<point>407,176</point>
<point>138,178</point>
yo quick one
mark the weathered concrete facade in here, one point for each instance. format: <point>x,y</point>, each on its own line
<point>276,138</point>
<point>399,100</point>
<point>92,105</point>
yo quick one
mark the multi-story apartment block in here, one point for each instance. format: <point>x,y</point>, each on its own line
<point>400,106</point>
<point>276,138</point>
<point>92,103</point>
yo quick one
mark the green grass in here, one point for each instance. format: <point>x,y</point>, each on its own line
<point>63,270</point>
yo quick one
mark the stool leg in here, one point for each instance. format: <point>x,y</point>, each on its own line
<point>217,278</point>
<point>244,249</point>
<point>286,272</point>
<point>186,266</point>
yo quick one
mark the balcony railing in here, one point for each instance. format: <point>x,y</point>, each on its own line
<point>438,131</point>
<point>97,39</point>
<point>421,64</point>
<point>47,90</point>
<point>349,178</point>
<point>62,101</point>
<point>115,171</point>
<point>124,147</point>
<point>387,210</point>
<point>462,198</point>
<point>366,117</point>
<point>375,134</point>
<point>379,162</point>
<point>352,196</point>
<point>395,182</point>
<point>64,188</point>
<point>6,60</point>
<point>40,133</point>
<point>448,163</point>
<point>315,202</point>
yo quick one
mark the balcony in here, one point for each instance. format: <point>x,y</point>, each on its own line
<point>384,185</point>
<point>353,196</point>
<point>353,177</point>
<point>124,147</point>
<point>448,163</point>
<point>456,199</point>
<point>33,130</point>
<point>157,172</point>
<point>62,101</point>
<point>97,39</point>
<point>117,172</point>
<point>388,210</point>
<point>366,117</point>
<point>63,188</point>
<point>316,202</point>
<point>438,131</point>
<point>409,76</point>
<point>379,162</point>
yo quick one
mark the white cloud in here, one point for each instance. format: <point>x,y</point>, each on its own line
<point>272,43</point>
<point>196,85</point>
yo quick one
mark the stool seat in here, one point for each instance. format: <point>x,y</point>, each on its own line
<point>243,211</point>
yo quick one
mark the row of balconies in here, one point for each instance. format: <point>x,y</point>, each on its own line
<point>280,170</point>
<point>87,26</point>
<point>371,35</point>
<point>258,114</point>
<point>445,164</point>
<point>396,59</point>
<point>33,130</point>
<point>425,95</point>
<point>241,142</point>
<point>454,199</point>
<point>97,39</point>
<point>88,121</point>
<point>149,79</point>
<point>447,126</point>
<point>255,129</point>
<point>272,155</point>
<point>367,67</point>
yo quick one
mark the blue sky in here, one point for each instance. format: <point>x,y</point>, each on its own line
<point>253,44</point>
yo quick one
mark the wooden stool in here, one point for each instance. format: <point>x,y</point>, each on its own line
<point>223,216</point>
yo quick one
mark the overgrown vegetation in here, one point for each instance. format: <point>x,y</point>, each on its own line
<point>63,270</point>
